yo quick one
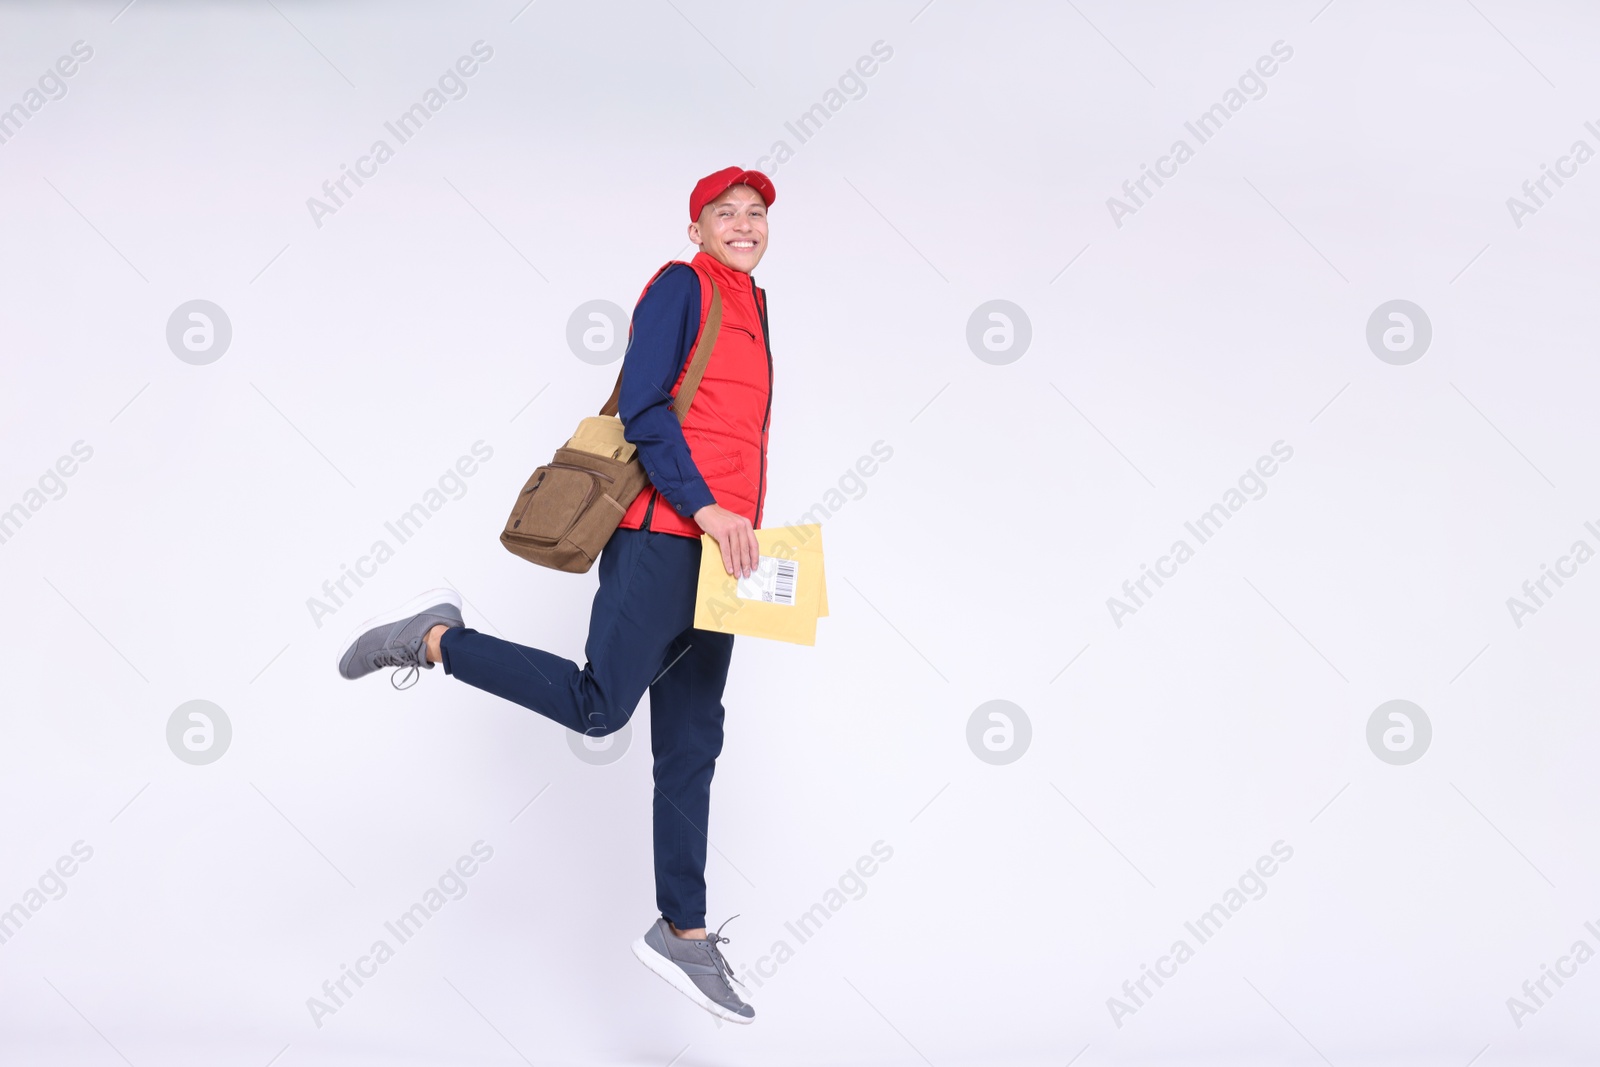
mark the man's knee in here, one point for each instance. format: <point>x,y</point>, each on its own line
<point>687,748</point>
<point>680,765</point>
<point>606,720</point>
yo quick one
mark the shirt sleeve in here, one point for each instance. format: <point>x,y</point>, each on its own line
<point>665,324</point>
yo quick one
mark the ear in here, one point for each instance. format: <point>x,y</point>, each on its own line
<point>694,233</point>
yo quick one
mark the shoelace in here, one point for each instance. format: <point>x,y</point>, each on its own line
<point>712,940</point>
<point>401,661</point>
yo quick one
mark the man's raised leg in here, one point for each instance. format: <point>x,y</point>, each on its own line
<point>642,603</point>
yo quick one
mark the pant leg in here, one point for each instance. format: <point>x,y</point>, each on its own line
<point>645,599</point>
<point>685,738</point>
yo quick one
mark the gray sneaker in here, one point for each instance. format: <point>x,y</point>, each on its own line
<point>394,639</point>
<point>695,968</point>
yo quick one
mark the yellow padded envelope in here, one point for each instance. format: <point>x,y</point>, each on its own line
<point>781,601</point>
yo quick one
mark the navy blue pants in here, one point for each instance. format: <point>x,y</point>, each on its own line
<point>641,635</point>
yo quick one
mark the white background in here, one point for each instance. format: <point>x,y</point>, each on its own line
<point>1229,713</point>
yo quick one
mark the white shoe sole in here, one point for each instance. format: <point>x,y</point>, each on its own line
<point>411,607</point>
<point>674,976</point>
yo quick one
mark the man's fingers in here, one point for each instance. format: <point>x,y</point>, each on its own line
<point>746,545</point>
<point>741,549</point>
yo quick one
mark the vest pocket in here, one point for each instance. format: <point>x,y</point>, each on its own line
<point>720,464</point>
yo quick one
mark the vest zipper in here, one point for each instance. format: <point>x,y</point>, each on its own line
<point>645,525</point>
<point>761,306</point>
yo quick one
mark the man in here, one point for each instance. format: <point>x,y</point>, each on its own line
<point>707,474</point>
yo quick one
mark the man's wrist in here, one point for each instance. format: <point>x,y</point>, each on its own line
<point>696,498</point>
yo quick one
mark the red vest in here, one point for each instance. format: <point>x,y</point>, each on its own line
<point>726,425</point>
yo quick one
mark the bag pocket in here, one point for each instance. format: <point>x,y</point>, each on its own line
<point>595,527</point>
<point>621,480</point>
<point>554,499</point>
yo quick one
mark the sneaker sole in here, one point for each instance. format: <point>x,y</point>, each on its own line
<point>414,606</point>
<point>673,975</point>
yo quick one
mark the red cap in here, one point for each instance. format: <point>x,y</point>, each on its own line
<point>714,185</point>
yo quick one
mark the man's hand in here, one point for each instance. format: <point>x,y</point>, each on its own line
<point>735,536</point>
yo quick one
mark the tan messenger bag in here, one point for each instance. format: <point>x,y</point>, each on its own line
<point>570,507</point>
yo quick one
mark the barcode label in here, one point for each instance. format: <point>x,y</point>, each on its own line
<point>773,581</point>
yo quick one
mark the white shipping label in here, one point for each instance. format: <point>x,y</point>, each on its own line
<point>773,581</point>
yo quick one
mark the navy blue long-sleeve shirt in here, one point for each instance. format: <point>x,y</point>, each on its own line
<point>665,323</point>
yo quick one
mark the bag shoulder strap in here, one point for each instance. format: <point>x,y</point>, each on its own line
<point>704,346</point>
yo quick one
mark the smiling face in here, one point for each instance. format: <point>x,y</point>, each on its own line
<point>732,229</point>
